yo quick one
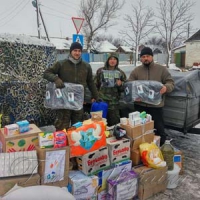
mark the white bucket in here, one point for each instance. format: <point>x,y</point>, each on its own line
<point>173,177</point>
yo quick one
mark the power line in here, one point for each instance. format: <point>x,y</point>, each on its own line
<point>14,8</point>
<point>15,14</point>
<point>58,11</point>
<point>55,15</point>
<point>67,4</point>
<point>8,9</point>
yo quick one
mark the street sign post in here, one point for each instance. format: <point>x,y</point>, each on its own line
<point>78,22</point>
<point>78,38</point>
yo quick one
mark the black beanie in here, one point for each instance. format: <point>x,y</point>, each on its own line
<point>146,51</point>
<point>75,45</point>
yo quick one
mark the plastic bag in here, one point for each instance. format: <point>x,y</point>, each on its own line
<point>119,132</point>
<point>70,97</point>
<point>151,155</point>
<point>109,78</point>
<point>146,91</point>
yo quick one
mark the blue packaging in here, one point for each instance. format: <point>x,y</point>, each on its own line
<point>23,126</point>
<point>100,106</point>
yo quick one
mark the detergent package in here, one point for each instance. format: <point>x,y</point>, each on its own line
<point>87,138</point>
<point>70,97</point>
<point>23,126</point>
<point>46,140</point>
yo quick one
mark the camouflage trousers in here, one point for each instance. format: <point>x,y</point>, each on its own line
<point>113,115</point>
<point>65,118</point>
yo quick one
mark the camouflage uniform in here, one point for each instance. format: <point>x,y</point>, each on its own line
<point>71,71</point>
<point>111,95</point>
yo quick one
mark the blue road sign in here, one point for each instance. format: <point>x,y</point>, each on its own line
<point>78,38</point>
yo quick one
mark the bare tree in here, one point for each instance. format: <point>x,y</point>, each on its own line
<point>140,24</point>
<point>98,15</point>
<point>156,42</point>
<point>173,19</point>
<point>110,38</point>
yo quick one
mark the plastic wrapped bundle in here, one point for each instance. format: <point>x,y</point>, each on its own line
<point>146,91</point>
<point>70,97</point>
<point>109,77</point>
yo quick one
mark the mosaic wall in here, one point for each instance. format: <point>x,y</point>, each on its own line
<point>22,87</point>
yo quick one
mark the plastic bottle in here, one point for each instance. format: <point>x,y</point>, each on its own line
<point>1,147</point>
<point>168,154</point>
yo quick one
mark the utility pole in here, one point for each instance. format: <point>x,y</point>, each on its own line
<point>38,19</point>
<point>44,24</point>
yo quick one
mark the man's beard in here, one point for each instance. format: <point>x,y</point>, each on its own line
<point>146,64</point>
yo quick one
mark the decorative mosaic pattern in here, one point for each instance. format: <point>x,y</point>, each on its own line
<point>22,87</point>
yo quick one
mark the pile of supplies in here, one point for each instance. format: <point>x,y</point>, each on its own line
<point>90,160</point>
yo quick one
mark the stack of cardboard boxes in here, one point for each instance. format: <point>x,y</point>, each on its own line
<point>139,134</point>
<point>99,168</point>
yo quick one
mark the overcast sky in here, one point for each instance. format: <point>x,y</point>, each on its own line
<point>19,16</point>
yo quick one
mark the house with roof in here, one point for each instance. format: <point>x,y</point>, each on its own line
<point>124,49</point>
<point>103,47</point>
<point>62,44</point>
<point>193,49</point>
<point>178,55</point>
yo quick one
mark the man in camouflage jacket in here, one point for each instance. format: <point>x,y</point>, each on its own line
<point>109,82</point>
<point>71,70</point>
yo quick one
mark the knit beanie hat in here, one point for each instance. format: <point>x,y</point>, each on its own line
<point>146,51</point>
<point>75,45</point>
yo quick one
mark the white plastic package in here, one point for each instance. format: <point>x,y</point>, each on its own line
<point>70,97</point>
<point>145,91</point>
<point>109,78</point>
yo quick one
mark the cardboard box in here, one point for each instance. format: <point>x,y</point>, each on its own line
<point>141,139</point>
<point>123,187</point>
<point>135,131</point>
<point>135,157</point>
<point>112,173</point>
<point>94,161</point>
<point>18,163</point>
<point>86,138</point>
<point>24,181</point>
<point>118,150</point>
<point>21,142</point>
<point>53,166</point>
<point>151,181</point>
<point>82,186</point>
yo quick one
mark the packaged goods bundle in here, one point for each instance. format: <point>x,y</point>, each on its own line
<point>86,138</point>
<point>145,91</point>
<point>70,97</point>
<point>123,187</point>
<point>109,78</point>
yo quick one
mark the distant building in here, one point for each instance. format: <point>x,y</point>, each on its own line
<point>178,55</point>
<point>193,49</point>
<point>103,47</point>
<point>62,45</point>
<point>124,49</point>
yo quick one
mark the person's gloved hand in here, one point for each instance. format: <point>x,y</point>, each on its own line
<point>59,83</point>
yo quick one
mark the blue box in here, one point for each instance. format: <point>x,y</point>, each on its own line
<point>23,126</point>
